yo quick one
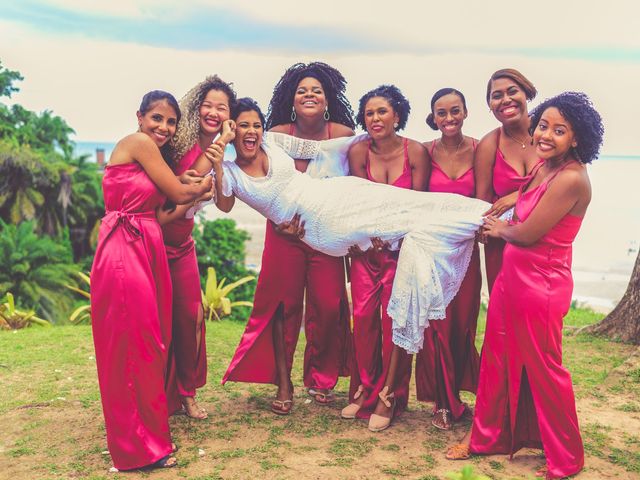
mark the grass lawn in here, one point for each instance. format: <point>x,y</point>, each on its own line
<point>51,424</point>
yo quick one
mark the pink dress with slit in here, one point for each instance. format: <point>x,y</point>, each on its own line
<point>449,361</point>
<point>131,318</point>
<point>529,402</point>
<point>372,277</point>
<point>190,355</point>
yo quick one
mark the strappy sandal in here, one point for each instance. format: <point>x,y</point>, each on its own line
<point>321,397</point>
<point>168,461</point>
<point>445,416</point>
<point>459,451</point>
<point>377,423</point>
<point>194,411</point>
<point>279,407</point>
<point>350,411</point>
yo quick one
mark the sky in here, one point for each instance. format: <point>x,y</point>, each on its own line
<point>91,62</point>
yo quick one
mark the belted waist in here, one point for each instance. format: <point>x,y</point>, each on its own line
<point>130,221</point>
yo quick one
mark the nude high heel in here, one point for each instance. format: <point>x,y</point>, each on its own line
<point>350,411</point>
<point>377,423</point>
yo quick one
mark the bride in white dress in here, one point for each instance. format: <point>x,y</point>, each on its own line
<point>437,229</point>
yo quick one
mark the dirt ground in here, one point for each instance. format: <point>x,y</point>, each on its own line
<point>242,439</point>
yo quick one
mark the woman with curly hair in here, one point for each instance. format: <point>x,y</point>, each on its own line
<point>540,408</point>
<point>505,156</point>
<point>205,108</point>
<point>131,288</point>
<point>449,360</point>
<point>380,377</point>
<point>308,102</point>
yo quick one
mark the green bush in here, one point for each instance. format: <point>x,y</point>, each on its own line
<point>221,245</point>
<point>36,269</point>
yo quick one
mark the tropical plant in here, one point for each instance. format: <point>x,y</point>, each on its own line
<point>36,269</point>
<point>214,297</point>
<point>12,318</point>
<point>466,473</point>
<point>221,244</point>
<point>82,314</point>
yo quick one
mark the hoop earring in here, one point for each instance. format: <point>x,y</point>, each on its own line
<point>293,113</point>
<point>326,113</point>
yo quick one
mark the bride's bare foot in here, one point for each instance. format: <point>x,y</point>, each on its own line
<point>193,410</point>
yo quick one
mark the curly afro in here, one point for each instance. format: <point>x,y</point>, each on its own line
<point>333,83</point>
<point>578,110</point>
<point>396,99</point>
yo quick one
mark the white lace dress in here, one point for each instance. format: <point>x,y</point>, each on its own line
<point>437,229</point>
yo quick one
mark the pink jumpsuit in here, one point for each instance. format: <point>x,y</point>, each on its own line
<point>372,277</point>
<point>131,318</point>
<point>449,361</point>
<point>529,402</point>
<point>289,266</point>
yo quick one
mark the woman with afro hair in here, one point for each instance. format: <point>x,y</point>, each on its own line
<point>540,408</point>
<point>308,102</point>
<point>380,378</point>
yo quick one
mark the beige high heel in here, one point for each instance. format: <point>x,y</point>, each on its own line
<point>350,411</point>
<point>377,423</point>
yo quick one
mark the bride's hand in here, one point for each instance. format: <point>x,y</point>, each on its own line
<point>228,131</point>
<point>215,154</point>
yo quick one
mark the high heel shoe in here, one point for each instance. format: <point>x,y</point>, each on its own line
<point>350,411</point>
<point>377,423</point>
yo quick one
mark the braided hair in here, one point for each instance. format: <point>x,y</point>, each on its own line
<point>333,83</point>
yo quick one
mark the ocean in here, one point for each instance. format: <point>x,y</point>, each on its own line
<point>604,251</point>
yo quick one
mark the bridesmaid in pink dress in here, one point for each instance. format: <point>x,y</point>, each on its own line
<point>382,371</point>
<point>204,108</point>
<point>308,102</point>
<point>505,156</point>
<point>131,288</point>
<point>449,361</point>
<point>540,409</point>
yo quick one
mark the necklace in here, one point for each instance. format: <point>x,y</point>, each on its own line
<point>515,139</point>
<point>446,148</point>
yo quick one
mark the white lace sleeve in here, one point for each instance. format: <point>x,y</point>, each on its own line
<point>294,146</point>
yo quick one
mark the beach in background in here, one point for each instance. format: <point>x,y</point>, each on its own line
<point>604,251</point>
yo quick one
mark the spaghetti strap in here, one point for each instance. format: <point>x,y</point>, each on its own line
<point>366,160</point>
<point>433,149</point>
<point>328,130</point>
<point>473,144</point>
<point>292,129</point>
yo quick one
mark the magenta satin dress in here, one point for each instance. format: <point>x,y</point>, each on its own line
<point>449,361</point>
<point>190,356</point>
<point>530,403</point>
<point>372,277</point>
<point>506,180</point>
<point>131,318</point>
<point>294,276</point>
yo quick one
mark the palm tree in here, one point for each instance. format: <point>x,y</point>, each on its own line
<point>36,270</point>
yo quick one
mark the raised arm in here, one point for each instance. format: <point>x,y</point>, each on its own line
<point>140,148</point>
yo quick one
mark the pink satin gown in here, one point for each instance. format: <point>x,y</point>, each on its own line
<point>131,318</point>
<point>190,355</point>
<point>294,276</point>
<point>449,361</point>
<point>506,180</point>
<point>529,402</point>
<point>372,277</point>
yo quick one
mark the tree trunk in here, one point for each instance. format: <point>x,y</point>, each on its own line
<point>623,323</point>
